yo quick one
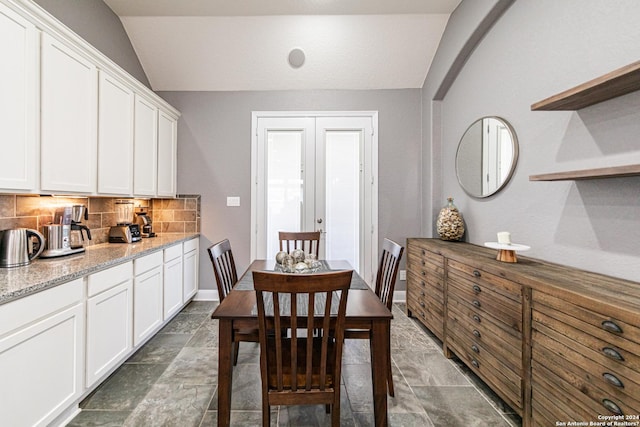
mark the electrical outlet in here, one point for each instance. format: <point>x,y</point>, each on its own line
<point>233,201</point>
<point>403,274</point>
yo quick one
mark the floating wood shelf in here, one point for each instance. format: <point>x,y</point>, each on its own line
<point>610,172</point>
<point>616,83</point>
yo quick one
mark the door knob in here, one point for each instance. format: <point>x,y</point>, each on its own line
<point>319,220</point>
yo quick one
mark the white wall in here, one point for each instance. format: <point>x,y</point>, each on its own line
<point>534,50</point>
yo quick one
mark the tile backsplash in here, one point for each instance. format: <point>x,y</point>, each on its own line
<point>180,215</point>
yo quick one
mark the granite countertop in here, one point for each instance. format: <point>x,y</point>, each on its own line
<point>41,274</point>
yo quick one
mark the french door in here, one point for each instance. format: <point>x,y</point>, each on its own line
<point>315,171</point>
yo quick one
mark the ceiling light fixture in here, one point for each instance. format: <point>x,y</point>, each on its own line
<point>296,58</point>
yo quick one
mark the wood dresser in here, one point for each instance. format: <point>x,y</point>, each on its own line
<point>558,344</point>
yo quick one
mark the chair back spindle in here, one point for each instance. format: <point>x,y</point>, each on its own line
<point>308,241</point>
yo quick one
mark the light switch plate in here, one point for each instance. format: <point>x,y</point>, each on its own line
<point>403,274</point>
<point>233,201</point>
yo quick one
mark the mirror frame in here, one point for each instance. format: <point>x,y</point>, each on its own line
<point>514,157</point>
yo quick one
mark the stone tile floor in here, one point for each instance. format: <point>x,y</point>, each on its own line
<point>171,381</point>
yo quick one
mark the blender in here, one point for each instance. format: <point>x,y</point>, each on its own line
<point>124,231</point>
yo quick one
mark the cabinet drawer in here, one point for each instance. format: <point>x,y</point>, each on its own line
<point>562,369</point>
<point>483,299</point>
<point>422,259</point>
<point>147,262</point>
<point>503,380</point>
<point>103,280</point>
<point>476,316</point>
<point>172,253</point>
<point>190,245</point>
<point>503,346</point>
<point>479,277</point>
<point>427,315</point>
<point>425,287</point>
<point>602,325</point>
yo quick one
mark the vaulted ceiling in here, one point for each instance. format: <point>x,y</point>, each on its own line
<point>222,45</point>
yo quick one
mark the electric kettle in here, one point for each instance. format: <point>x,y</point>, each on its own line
<point>16,246</point>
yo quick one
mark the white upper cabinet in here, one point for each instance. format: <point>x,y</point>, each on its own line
<point>115,136</point>
<point>68,119</point>
<point>167,154</point>
<point>145,147</point>
<point>18,102</point>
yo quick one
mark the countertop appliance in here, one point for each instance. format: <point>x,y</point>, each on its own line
<point>125,233</point>
<point>16,246</point>
<point>144,221</point>
<point>78,214</point>
<point>58,234</point>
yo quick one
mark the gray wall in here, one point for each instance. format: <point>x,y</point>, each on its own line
<point>534,50</point>
<point>214,157</point>
<point>95,22</point>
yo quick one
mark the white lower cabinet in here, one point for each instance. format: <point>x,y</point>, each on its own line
<point>109,320</point>
<point>147,296</point>
<point>172,280</point>
<point>41,355</point>
<point>190,269</point>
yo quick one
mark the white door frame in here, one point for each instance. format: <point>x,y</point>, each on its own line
<point>371,175</point>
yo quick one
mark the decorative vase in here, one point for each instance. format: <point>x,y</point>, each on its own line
<point>450,225</point>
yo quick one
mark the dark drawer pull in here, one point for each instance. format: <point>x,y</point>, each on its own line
<point>422,293</point>
<point>475,363</point>
<point>611,326</point>
<point>612,407</point>
<point>475,348</point>
<point>612,353</point>
<point>612,379</point>
<point>423,316</point>
<point>424,252</point>
<point>424,273</point>
<point>423,284</point>
<point>476,333</point>
<point>476,273</point>
<point>476,318</point>
<point>422,305</point>
<point>476,303</point>
<point>423,263</point>
<point>476,289</point>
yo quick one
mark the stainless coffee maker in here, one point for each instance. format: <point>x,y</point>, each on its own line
<point>78,214</point>
<point>144,221</point>
<point>58,234</point>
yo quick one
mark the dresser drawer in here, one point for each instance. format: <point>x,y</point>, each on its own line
<point>501,378</point>
<point>424,259</point>
<point>430,316</point>
<point>482,298</point>
<point>499,285</point>
<point>505,347</point>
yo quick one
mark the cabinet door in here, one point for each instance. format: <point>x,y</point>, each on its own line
<point>115,137</point>
<point>167,146</point>
<point>69,86</point>
<point>41,369</point>
<point>190,268</point>
<point>145,147</point>
<point>172,286</point>
<point>147,304</point>
<point>18,102</point>
<point>109,329</point>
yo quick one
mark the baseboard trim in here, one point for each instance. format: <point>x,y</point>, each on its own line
<point>206,295</point>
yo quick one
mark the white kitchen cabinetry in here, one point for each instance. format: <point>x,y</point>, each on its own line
<point>68,119</point>
<point>18,102</point>
<point>145,157</point>
<point>190,269</point>
<point>115,136</point>
<point>147,296</point>
<point>41,355</point>
<point>172,280</point>
<point>109,320</point>
<point>167,154</point>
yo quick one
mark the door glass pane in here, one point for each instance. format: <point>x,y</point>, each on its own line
<point>284,185</point>
<point>342,204</point>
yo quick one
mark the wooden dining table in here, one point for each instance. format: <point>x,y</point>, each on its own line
<point>364,311</point>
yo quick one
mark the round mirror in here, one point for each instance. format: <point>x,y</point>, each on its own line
<point>486,157</point>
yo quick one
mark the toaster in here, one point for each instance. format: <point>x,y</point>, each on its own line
<point>127,233</point>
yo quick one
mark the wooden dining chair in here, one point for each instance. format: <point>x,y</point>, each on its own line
<point>305,369</point>
<point>308,241</point>
<point>224,269</point>
<point>385,284</point>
